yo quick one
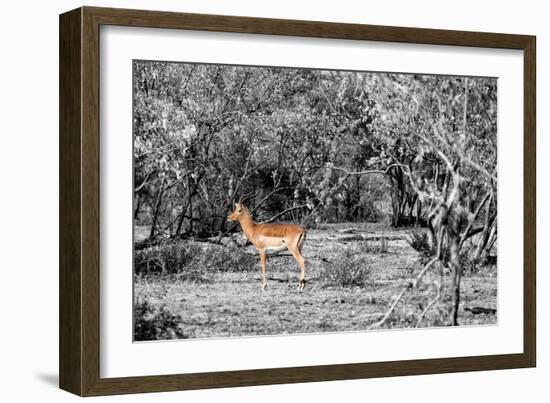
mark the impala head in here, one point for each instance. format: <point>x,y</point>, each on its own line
<point>240,209</point>
<point>238,213</point>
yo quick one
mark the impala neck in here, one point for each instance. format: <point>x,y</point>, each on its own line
<point>247,225</point>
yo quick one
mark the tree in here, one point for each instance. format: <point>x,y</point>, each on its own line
<point>453,122</point>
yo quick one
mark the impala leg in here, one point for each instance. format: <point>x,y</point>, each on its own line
<point>302,264</point>
<point>263,261</point>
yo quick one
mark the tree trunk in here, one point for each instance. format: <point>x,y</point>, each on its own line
<point>190,207</point>
<point>418,211</point>
<point>138,206</point>
<point>358,213</point>
<point>156,210</point>
<point>456,271</point>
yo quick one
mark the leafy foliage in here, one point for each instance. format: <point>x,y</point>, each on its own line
<point>420,242</point>
<point>191,261</point>
<point>205,134</point>
<point>350,270</point>
<point>156,323</point>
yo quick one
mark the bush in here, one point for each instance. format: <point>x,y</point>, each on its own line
<point>156,324</point>
<point>349,270</point>
<point>420,242</point>
<point>226,259</point>
<point>372,246</point>
<point>169,259</point>
<point>471,266</point>
<point>191,260</point>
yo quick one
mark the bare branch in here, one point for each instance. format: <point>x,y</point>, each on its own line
<point>478,167</point>
<point>392,307</point>
<point>463,157</point>
<point>277,189</point>
<point>408,286</point>
<point>424,270</point>
<point>245,197</point>
<point>367,172</point>
<point>429,306</point>
<point>144,182</point>
<point>464,235</point>
<point>288,210</point>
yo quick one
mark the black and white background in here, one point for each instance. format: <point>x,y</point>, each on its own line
<point>394,176</point>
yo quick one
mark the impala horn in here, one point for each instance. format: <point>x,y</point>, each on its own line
<point>245,197</point>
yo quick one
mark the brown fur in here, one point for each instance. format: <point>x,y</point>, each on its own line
<point>267,236</point>
<point>278,230</point>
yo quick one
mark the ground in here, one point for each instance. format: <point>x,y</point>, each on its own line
<point>232,304</point>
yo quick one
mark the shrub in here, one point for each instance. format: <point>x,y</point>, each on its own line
<point>471,266</point>
<point>420,242</point>
<point>169,259</point>
<point>226,259</point>
<point>191,260</point>
<point>349,270</point>
<point>379,245</point>
<point>156,323</point>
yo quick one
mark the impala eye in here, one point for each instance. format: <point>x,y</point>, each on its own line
<point>240,210</point>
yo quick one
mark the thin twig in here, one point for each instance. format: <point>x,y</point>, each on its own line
<point>288,210</point>
<point>410,285</point>
<point>370,171</point>
<point>392,307</point>
<point>430,304</point>
<point>424,270</point>
<point>464,235</point>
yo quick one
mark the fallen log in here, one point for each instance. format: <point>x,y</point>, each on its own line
<point>476,310</point>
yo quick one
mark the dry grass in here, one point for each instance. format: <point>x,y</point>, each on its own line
<point>231,303</point>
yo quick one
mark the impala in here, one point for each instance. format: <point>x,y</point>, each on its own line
<point>271,237</point>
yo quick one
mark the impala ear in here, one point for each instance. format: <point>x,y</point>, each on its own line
<point>237,207</point>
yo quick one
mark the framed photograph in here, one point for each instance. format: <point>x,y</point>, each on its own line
<point>249,201</point>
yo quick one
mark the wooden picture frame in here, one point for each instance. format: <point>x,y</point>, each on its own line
<point>79,280</point>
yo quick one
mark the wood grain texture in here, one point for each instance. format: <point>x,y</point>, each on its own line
<point>90,202</point>
<point>70,271</point>
<point>305,374</point>
<point>79,200</point>
<point>530,203</point>
<point>316,29</point>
